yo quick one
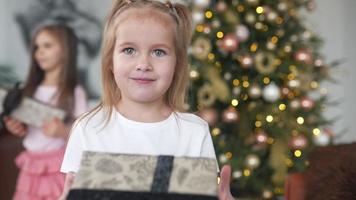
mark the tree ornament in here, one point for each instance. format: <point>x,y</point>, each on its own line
<point>227,76</point>
<point>303,55</point>
<point>246,61</point>
<point>230,43</point>
<point>201,4</point>
<point>198,17</point>
<point>253,2</point>
<point>221,6</point>
<point>222,158</point>
<point>321,139</point>
<point>194,74</point>
<point>236,91</point>
<point>219,86</point>
<point>206,96</point>
<point>230,115</point>
<point>261,137</point>
<point>306,35</point>
<point>237,174</point>
<point>294,83</point>
<point>201,48</point>
<point>307,103</point>
<point>267,194</point>
<point>282,6</point>
<point>311,5</point>
<point>271,92</point>
<point>285,91</point>
<point>255,91</point>
<point>318,62</point>
<point>272,16</point>
<point>294,104</point>
<point>298,142</point>
<point>250,18</point>
<point>242,33</point>
<point>210,115</point>
<point>252,161</point>
<point>265,63</point>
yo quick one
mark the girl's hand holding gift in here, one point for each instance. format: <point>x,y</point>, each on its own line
<point>224,186</point>
<point>15,127</point>
<point>55,128</point>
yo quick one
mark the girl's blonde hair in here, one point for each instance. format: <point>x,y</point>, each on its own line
<point>176,94</point>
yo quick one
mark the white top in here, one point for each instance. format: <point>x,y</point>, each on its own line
<point>181,134</point>
<point>35,140</point>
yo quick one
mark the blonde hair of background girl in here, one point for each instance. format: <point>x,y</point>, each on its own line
<point>176,94</point>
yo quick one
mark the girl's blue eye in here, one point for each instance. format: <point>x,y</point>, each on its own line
<point>129,51</point>
<point>159,52</point>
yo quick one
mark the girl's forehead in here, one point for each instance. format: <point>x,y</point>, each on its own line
<point>142,14</point>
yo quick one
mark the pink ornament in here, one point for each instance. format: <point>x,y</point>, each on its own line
<point>303,55</point>
<point>261,137</point>
<point>242,33</point>
<point>229,43</point>
<point>298,142</point>
<point>221,6</point>
<point>210,115</point>
<point>246,61</point>
<point>307,103</point>
<point>230,115</point>
<point>311,5</point>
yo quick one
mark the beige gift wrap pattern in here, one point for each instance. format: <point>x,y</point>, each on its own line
<point>146,175</point>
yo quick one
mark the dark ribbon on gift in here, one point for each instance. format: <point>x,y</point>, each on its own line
<point>12,100</point>
<point>162,174</point>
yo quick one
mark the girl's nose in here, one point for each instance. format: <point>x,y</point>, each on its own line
<point>143,67</point>
<point>144,64</point>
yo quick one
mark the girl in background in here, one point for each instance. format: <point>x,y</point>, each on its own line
<point>144,78</point>
<point>52,79</point>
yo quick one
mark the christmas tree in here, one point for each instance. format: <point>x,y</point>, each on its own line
<point>255,76</point>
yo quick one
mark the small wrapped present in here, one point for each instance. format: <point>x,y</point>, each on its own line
<point>140,177</point>
<point>26,109</point>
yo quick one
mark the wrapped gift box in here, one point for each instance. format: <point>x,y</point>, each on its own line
<point>31,111</point>
<point>140,177</point>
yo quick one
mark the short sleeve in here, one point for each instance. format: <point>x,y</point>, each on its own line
<point>74,150</point>
<point>80,101</point>
<point>207,149</point>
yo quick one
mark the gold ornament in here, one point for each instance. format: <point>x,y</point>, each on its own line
<point>277,161</point>
<point>206,96</point>
<point>218,85</point>
<point>201,48</point>
<point>265,63</point>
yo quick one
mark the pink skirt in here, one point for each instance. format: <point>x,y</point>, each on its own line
<point>39,178</point>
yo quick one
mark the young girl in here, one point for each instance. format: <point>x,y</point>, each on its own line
<point>52,80</point>
<point>144,78</point>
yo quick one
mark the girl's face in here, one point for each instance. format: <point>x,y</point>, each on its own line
<point>48,53</point>
<point>144,58</point>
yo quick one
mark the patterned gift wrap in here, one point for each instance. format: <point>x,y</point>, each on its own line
<point>31,111</point>
<point>106,176</point>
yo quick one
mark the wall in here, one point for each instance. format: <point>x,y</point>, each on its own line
<point>335,22</point>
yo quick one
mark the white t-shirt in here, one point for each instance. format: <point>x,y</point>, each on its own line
<point>181,134</point>
<point>35,140</point>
